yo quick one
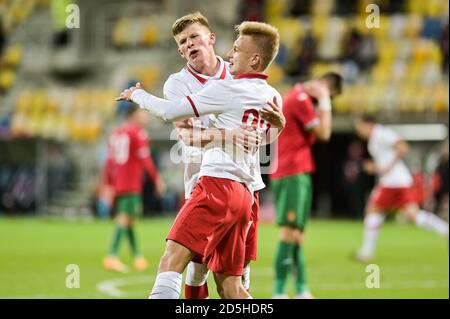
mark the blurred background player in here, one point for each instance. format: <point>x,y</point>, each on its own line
<point>291,182</point>
<point>128,158</point>
<point>393,191</point>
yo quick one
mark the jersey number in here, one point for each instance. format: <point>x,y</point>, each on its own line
<point>120,148</point>
<point>251,118</point>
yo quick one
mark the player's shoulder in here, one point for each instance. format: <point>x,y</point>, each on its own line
<point>134,131</point>
<point>298,96</point>
<point>177,78</point>
<point>140,133</point>
<point>384,131</point>
<point>274,91</point>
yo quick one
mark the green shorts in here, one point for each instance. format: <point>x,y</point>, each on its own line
<point>130,204</point>
<point>293,197</point>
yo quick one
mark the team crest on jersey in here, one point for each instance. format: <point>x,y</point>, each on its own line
<point>291,216</point>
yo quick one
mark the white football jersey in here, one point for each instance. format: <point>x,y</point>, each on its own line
<point>239,102</point>
<point>180,85</point>
<point>234,102</point>
<point>381,148</point>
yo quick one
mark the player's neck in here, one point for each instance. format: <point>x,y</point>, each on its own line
<point>209,68</point>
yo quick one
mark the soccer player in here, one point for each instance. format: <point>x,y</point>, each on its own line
<point>195,43</point>
<point>214,221</point>
<point>393,191</point>
<point>128,158</point>
<point>291,182</point>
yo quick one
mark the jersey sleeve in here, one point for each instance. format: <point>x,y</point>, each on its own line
<point>388,136</point>
<point>215,98</point>
<point>167,110</point>
<point>142,150</point>
<point>174,89</point>
<point>305,112</point>
<point>141,142</point>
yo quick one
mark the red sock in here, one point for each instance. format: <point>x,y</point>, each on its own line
<point>196,292</point>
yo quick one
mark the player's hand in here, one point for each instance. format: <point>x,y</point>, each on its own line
<point>187,124</point>
<point>245,138</point>
<point>125,95</point>
<point>316,89</point>
<point>185,135</point>
<point>369,167</point>
<point>272,114</point>
<point>160,187</point>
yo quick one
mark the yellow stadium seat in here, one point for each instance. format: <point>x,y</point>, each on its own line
<point>7,79</point>
<point>149,35</point>
<point>275,8</point>
<point>290,29</point>
<point>413,25</point>
<point>276,74</point>
<point>121,31</point>
<point>319,26</point>
<point>13,56</point>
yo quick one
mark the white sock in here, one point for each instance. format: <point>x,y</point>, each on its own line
<point>372,223</point>
<point>167,286</point>
<point>196,274</point>
<point>246,278</point>
<point>429,221</point>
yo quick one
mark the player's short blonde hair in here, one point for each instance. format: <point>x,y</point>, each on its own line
<point>188,19</point>
<point>265,36</point>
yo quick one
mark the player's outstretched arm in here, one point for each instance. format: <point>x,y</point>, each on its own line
<point>171,111</point>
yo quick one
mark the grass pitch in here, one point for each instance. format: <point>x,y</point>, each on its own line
<point>34,254</point>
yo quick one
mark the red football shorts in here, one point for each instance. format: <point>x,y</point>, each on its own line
<point>388,199</point>
<point>214,222</point>
<point>251,243</point>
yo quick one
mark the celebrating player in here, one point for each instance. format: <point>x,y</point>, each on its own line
<point>128,157</point>
<point>196,44</point>
<point>291,182</point>
<point>214,221</point>
<point>393,191</point>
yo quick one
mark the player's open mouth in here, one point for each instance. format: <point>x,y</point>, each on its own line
<point>193,54</point>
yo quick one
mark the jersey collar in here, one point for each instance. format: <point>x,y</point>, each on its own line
<point>251,76</point>
<point>221,73</point>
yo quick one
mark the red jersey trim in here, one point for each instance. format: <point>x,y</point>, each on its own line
<point>251,76</point>
<point>198,77</point>
<point>193,106</point>
<point>224,72</point>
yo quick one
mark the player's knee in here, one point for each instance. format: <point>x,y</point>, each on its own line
<point>175,258</point>
<point>122,220</point>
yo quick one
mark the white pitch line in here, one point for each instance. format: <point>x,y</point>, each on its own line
<point>112,287</point>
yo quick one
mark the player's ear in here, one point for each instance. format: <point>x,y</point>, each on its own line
<point>181,53</point>
<point>256,59</point>
<point>212,38</point>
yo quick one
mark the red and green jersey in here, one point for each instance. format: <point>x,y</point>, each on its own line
<point>128,158</point>
<point>295,142</point>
